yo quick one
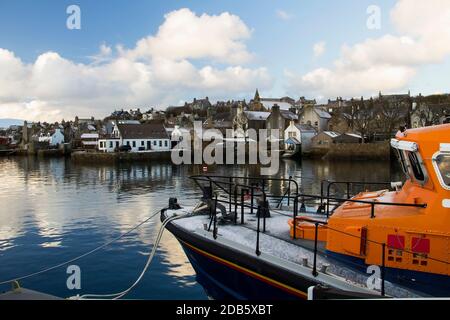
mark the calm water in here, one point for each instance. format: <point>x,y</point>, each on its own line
<point>53,210</point>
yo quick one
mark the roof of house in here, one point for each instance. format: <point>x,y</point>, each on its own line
<point>322,113</point>
<point>257,115</point>
<point>355,135</point>
<point>143,131</point>
<point>89,136</point>
<point>286,114</point>
<point>332,134</point>
<point>305,127</point>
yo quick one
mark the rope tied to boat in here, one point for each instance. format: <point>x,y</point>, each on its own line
<point>59,265</point>
<point>118,295</point>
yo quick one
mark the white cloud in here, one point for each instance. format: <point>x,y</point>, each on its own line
<point>184,35</point>
<point>387,63</point>
<point>319,49</point>
<point>283,15</point>
<point>158,71</point>
<point>104,55</point>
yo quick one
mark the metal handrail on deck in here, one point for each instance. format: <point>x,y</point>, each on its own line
<point>230,187</point>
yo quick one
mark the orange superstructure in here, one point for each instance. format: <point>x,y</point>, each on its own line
<point>416,235</point>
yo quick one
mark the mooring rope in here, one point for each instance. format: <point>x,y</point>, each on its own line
<point>84,254</point>
<point>118,295</point>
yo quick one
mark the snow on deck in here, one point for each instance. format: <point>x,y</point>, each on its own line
<point>277,242</point>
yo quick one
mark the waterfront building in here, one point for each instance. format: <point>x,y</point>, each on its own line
<point>140,138</point>
<point>54,139</point>
<point>299,134</point>
<point>324,139</point>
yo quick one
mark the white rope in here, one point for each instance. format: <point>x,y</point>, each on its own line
<point>119,295</point>
<point>84,254</point>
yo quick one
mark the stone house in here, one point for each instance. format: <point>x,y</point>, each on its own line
<point>314,116</point>
<point>324,140</point>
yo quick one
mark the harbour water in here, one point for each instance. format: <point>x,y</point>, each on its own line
<point>53,210</point>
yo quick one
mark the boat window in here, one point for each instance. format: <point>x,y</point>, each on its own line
<point>443,165</point>
<point>401,158</point>
<point>416,166</point>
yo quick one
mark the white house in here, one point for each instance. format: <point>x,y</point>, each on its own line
<point>140,137</point>
<point>299,134</point>
<point>55,139</point>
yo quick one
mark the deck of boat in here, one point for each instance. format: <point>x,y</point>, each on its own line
<point>276,242</point>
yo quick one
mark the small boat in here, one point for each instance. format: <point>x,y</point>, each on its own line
<point>247,243</point>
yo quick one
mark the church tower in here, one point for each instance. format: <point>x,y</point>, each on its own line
<point>255,104</point>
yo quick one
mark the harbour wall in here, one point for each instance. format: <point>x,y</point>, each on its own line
<point>103,157</point>
<point>355,151</point>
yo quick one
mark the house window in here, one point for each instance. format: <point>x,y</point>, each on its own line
<point>128,143</point>
<point>165,143</point>
<point>134,144</point>
<point>142,143</point>
<point>154,142</point>
<point>160,143</point>
<point>117,144</point>
<point>110,144</point>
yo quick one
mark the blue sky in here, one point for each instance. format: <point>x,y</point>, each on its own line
<point>281,38</point>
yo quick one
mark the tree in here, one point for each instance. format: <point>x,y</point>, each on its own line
<point>363,117</point>
<point>389,116</point>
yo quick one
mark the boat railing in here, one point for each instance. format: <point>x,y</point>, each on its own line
<point>253,191</point>
<point>237,199</point>
<point>325,206</point>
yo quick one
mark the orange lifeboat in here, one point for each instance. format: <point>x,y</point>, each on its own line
<point>407,230</point>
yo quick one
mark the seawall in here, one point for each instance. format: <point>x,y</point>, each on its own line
<point>355,151</point>
<point>103,157</point>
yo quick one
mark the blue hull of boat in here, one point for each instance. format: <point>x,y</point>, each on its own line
<point>222,282</point>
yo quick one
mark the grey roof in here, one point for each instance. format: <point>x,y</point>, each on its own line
<point>143,131</point>
<point>305,127</point>
<point>257,115</point>
<point>322,113</point>
<point>286,114</point>
<point>332,134</point>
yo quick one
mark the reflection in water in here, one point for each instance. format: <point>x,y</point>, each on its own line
<point>53,210</point>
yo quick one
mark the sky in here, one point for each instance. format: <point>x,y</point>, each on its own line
<point>143,53</point>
